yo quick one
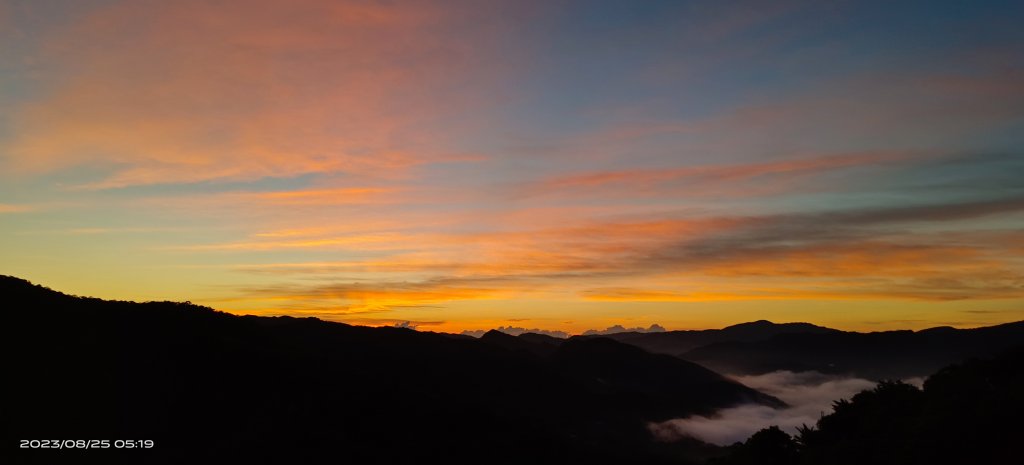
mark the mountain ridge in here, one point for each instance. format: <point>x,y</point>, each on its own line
<point>267,388</point>
<point>897,354</point>
<point>679,341</point>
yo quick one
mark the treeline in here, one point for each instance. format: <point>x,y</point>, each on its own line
<point>969,413</point>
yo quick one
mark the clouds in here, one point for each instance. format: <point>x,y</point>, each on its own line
<point>712,180</point>
<point>457,162</point>
<point>923,252</point>
<point>654,328</point>
<point>356,298</point>
<point>405,325</point>
<point>809,395</point>
<point>11,208</point>
<point>192,91</point>
<point>516,331</point>
<point>928,251</point>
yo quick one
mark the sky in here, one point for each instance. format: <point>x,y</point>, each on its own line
<point>559,165</point>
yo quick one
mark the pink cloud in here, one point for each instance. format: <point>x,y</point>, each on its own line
<point>167,92</point>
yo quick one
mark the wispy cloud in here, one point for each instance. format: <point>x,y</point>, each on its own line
<point>379,241</point>
<point>856,254</point>
<point>240,94</point>
<point>308,197</point>
<point>712,180</point>
<point>12,208</point>
<point>341,298</point>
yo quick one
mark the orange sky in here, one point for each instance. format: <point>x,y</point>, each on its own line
<point>554,165</point>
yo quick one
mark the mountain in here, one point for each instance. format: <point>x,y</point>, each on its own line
<point>533,346</point>
<point>542,339</point>
<point>657,383</point>
<point>225,388</point>
<point>877,355</point>
<point>677,342</point>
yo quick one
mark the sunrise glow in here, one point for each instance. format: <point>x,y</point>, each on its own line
<point>555,165</point>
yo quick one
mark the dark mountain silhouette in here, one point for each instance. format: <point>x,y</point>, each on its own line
<point>966,413</point>
<point>210,387</point>
<point>656,383</point>
<point>878,355</point>
<point>762,346</point>
<point>543,339</point>
<point>518,343</point>
<point>677,342</point>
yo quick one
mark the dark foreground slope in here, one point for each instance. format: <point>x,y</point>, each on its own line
<point>967,413</point>
<point>209,387</point>
<point>880,355</point>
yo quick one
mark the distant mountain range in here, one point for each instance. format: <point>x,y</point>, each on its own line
<point>880,355</point>
<point>234,389</point>
<point>678,342</point>
<point>762,347</point>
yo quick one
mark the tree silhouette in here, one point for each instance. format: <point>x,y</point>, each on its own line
<point>967,413</point>
<point>770,446</point>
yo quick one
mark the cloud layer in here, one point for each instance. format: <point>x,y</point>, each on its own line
<point>809,394</point>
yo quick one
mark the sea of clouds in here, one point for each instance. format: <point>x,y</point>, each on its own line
<point>809,395</point>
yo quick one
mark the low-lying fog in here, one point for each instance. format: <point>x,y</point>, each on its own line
<point>809,395</point>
